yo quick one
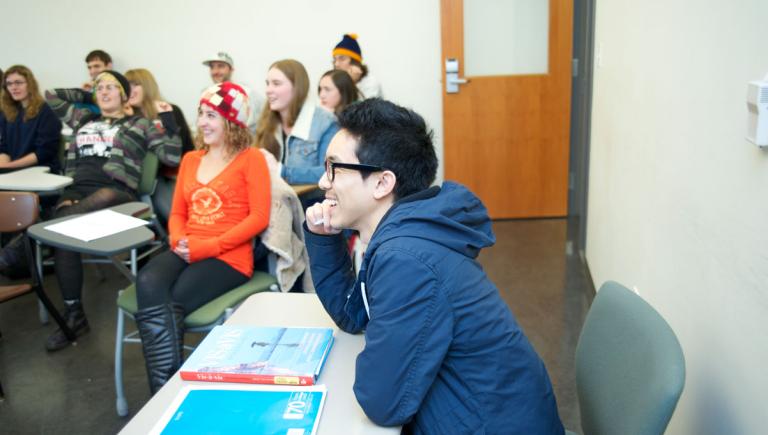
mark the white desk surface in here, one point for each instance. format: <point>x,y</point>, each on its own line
<point>33,179</point>
<point>39,169</point>
<point>341,414</point>
<point>106,246</point>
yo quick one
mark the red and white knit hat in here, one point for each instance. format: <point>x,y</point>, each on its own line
<point>230,100</point>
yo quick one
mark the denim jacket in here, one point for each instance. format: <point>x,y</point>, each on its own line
<point>304,159</point>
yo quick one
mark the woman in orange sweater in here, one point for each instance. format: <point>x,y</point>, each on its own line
<point>220,203</point>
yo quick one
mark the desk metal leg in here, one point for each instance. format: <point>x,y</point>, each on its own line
<point>46,304</point>
<point>121,403</point>
<point>41,311</point>
<point>134,265</point>
<point>129,273</point>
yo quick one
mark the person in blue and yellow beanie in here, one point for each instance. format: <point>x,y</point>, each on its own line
<point>348,56</point>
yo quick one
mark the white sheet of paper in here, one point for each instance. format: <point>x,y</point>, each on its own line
<point>96,225</point>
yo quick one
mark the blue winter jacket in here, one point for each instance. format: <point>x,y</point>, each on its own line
<point>443,353</point>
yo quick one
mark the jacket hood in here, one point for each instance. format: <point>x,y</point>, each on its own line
<point>450,215</point>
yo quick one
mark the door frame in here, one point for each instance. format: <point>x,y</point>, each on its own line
<point>581,120</point>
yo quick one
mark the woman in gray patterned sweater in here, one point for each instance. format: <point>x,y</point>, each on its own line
<point>105,162</point>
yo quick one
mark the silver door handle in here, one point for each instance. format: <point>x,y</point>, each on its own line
<point>452,79</point>
<point>457,80</point>
<point>452,82</point>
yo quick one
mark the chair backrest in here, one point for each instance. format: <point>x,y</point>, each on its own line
<point>19,210</point>
<point>149,168</point>
<point>630,369</point>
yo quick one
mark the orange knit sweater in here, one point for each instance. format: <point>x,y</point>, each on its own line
<point>221,217</point>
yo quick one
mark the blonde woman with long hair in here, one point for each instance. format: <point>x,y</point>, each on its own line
<point>146,100</point>
<point>295,132</point>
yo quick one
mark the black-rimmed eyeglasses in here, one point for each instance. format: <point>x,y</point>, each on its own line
<point>330,168</point>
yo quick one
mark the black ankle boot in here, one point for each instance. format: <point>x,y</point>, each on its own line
<point>162,336</point>
<point>74,316</point>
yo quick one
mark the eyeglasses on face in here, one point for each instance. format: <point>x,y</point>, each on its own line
<point>330,168</point>
<point>9,83</point>
<point>106,87</point>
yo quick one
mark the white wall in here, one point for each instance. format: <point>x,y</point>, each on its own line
<point>678,199</point>
<point>400,40</point>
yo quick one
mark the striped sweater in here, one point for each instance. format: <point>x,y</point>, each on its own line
<point>136,136</point>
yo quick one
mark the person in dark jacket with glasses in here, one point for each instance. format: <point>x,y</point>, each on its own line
<point>443,352</point>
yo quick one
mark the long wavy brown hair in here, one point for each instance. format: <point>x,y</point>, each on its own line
<point>270,120</point>
<point>236,138</point>
<point>148,84</point>
<point>11,108</point>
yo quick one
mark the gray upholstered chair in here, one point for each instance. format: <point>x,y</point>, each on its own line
<point>630,369</point>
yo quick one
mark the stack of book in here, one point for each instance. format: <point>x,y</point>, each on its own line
<point>289,360</point>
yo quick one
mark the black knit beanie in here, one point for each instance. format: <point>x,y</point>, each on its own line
<point>119,78</point>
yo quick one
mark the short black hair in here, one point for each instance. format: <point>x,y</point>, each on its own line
<point>99,55</point>
<point>394,138</point>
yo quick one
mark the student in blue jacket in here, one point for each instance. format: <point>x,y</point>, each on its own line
<point>443,353</point>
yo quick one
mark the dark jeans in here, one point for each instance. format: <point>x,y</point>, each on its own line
<point>168,278</point>
<point>69,264</point>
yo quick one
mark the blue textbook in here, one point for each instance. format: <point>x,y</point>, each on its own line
<point>260,355</point>
<point>229,409</point>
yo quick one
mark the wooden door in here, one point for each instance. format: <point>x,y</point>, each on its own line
<point>507,136</point>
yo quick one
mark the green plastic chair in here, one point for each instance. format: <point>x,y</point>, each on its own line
<point>149,168</point>
<point>630,369</point>
<point>203,319</point>
<point>147,184</point>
